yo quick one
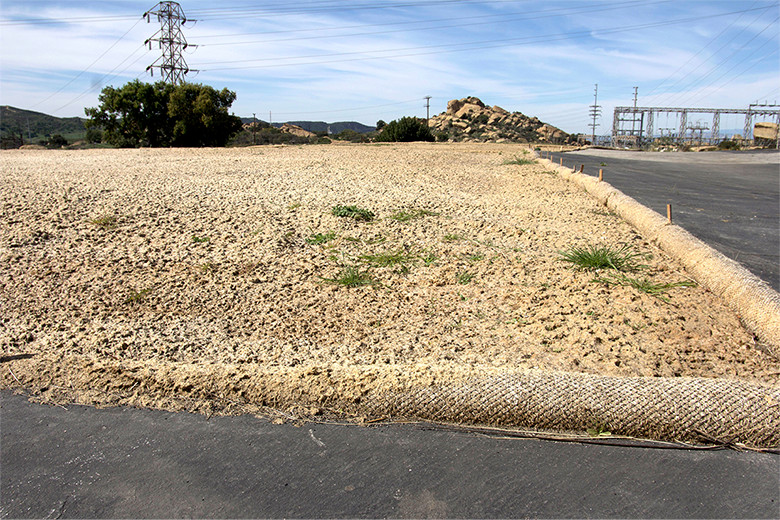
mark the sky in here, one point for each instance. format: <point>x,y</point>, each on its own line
<point>366,60</point>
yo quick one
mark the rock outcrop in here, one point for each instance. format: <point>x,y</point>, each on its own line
<point>469,119</point>
<point>296,130</point>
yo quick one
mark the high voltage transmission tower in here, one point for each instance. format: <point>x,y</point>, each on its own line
<point>595,112</point>
<point>171,41</point>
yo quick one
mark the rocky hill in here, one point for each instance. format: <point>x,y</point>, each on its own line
<point>469,119</point>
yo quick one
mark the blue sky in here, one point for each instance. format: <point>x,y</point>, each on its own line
<point>365,60</point>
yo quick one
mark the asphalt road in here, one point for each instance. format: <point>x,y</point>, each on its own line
<point>81,462</point>
<point>730,200</point>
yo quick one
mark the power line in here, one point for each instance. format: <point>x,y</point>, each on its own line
<point>687,95</point>
<point>674,98</point>
<point>729,26</point>
<point>466,46</point>
<point>504,19</point>
<point>88,67</point>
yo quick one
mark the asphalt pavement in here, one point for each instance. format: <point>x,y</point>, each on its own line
<point>730,200</point>
<point>80,462</point>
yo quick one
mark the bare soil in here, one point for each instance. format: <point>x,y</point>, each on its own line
<point>147,276</point>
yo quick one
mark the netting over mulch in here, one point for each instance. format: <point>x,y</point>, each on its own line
<point>657,408</point>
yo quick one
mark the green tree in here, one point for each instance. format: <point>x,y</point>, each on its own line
<point>133,115</point>
<point>201,117</point>
<point>405,130</point>
<point>380,125</point>
<point>161,114</point>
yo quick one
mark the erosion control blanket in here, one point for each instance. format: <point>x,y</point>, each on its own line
<point>399,281</point>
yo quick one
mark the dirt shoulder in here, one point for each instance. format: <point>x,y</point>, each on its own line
<point>230,264</point>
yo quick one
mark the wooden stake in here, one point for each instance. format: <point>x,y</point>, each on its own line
<point>601,175</point>
<point>669,212</point>
<point>582,168</point>
<point>561,161</point>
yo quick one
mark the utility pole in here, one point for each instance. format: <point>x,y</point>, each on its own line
<point>633,116</point>
<point>171,41</point>
<point>254,128</point>
<point>595,112</point>
<point>427,110</point>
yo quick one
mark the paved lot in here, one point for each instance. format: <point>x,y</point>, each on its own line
<point>125,462</point>
<point>731,200</point>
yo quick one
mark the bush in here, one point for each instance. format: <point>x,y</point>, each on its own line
<point>57,141</point>
<point>94,135</point>
<point>351,136</point>
<point>728,145</point>
<point>406,129</point>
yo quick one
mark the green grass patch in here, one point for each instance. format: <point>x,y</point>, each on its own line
<point>429,259</point>
<point>321,238</point>
<point>520,161</point>
<point>644,285</point>
<point>353,212</point>
<point>454,237</point>
<point>105,222</point>
<point>464,277</point>
<point>388,258</point>
<point>199,240</point>
<point>138,296</point>
<point>591,257</point>
<point>352,276</point>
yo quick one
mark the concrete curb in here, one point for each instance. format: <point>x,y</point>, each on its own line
<point>753,299</point>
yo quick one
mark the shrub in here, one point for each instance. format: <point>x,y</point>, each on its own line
<point>353,212</point>
<point>406,129</point>
<point>604,257</point>
<point>57,141</point>
<point>728,145</point>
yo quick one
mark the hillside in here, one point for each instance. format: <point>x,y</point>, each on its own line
<point>470,120</point>
<point>36,125</point>
<point>321,126</point>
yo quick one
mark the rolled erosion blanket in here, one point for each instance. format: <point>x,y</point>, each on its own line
<point>692,409</point>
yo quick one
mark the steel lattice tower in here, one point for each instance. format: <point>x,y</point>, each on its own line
<point>171,41</point>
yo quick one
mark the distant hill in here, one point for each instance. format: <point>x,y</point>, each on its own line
<point>322,126</point>
<point>36,125</point>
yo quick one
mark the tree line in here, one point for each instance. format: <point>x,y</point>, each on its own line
<point>194,115</point>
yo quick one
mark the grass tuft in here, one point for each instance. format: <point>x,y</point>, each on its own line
<point>604,257</point>
<point>464,277</point>
<point>644,285</point>
<point>138,296</point>
<point>353,212</point>
<point>321,238</point>
<point>199,240</point>
<point>105,222</point>
<point>520,161</point>
<point>388,258</point>
<point>352,276</point>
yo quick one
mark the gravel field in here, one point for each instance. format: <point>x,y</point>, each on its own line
<point>226,263</point>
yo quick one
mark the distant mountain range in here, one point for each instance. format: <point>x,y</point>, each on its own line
<point>321,126</point>
<point>35,125</point>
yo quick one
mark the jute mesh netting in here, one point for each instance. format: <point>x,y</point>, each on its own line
<point>656,408</point>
